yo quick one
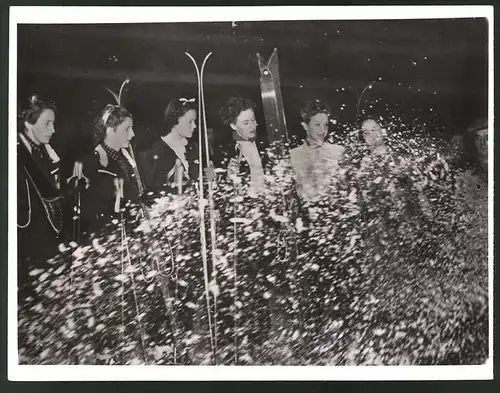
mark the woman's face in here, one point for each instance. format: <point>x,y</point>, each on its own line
<point>124,133</point>
<point>245,124</point>
<point>186,124</point>
<point>316,129</point>
<point>43,129</point>
<point>372,133</point>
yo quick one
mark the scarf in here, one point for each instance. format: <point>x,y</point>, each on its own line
<point>179,148</point>
<point>249,150</point>
<point>119,158</point>
<point>38,151</point>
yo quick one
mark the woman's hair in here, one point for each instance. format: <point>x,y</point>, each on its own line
<point>36,106</point>
<point>235,105</point>
<point>312,108</point>
<point>111,116</point>
<point>174,111</point>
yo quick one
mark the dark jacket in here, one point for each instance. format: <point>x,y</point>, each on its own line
<point>157,167</point>
<point>98,200</point>
<point>39,208</point>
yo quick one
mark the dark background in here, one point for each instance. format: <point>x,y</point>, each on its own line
<point>430,69</point>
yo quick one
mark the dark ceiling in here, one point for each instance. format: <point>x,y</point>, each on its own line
<point>423,64</point>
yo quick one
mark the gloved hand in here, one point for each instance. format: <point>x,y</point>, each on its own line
<point>80,185</point>
<point>75,186</point>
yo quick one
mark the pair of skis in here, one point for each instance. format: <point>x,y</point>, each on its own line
<point>274,113</point>
<point>276,126</point>
<point>203,141</point>
<point>278,139</point>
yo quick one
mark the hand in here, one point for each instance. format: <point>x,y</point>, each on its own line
<point>78,185</point>
<point>81,185</point>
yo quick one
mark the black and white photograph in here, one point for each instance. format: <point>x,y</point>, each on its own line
<point>251,186</point>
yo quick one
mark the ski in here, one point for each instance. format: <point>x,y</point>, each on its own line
<point>274,113</point>
<point>272,102</point>
<point>203,140</point>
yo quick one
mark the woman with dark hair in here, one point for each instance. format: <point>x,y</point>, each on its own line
<point>39,199</point>
<point>171,162</point>
<point>239,114</point>
<point>245,163</point>
<point>315,162</point>
<point>112,181</point>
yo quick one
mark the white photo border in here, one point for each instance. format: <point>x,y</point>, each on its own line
<point>96,15</point>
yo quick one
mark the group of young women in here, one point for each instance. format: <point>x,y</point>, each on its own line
<point>113,183</point>
<point>110,177</point>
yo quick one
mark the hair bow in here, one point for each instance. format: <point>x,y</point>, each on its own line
<point>185,100</point>
<point>108,112</point>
